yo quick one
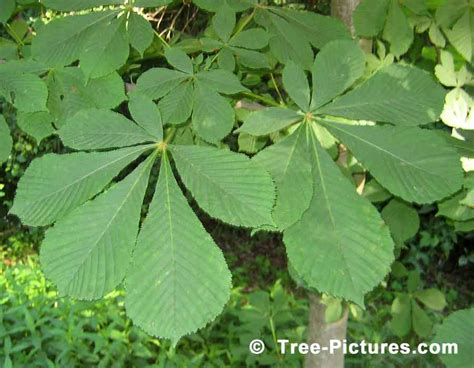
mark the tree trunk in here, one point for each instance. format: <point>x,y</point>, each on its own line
<point>322,333</point>
<point>343,10</point>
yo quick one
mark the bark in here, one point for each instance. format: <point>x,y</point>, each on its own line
<point>322,333</point>
<point>343,10</point>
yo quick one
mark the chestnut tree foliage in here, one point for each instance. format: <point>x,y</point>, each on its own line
<point>179,119</point>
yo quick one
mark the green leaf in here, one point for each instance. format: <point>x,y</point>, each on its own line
<point>318,29</point>
<point>215,5</point>
<point>158,82</point>
<point>223,22</point>
<point>250,144</point>
<point>226,59</point>
<point>288,163</point>
<point>222,81</point>
<point>179,60</point>
<point>269,120</point>
<point>461,35</point>
<point>8,49</point>
<point>69,93</point>
<point>23,66</point>
<point>140,32</point>
<point>450,11</point>
<point>413,281</point>
<point>296,84</point>
<point>86,254</point>
<point>369,17</point>
<point>26,91</point>
<point>288,42</point>
<point>336,67</point>
<point>6,141</point>
<point>251,59</point>
<point>464,226</point>
<point>253,39</point>
<point>412,163</point>
<point>457,328</point>
<point>402,219</point>
<point>106,48</point>
<point>37,124</point>
<point>398,31</point>
<point>401,315</point>
<point>71,5</point>
<point>436,36</point>
<point>145,112</point>
<point>179,280</point>
<point>341,246</point>
<point>396,94</point>
<point>6,10</point>
<point>53,185</point>
<point>468,200</point>
<point>151,3</point>
<point>432,298</point>
<point>422,324</point>
<point>226,185</point>
<point>177,105</point>
<point>99,128</point>
<point>374,192</point>
<point>451,208</point>
<point>62,41</point>
<point>213,117</point>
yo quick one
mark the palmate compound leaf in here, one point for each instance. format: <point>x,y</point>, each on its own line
<point>341,245</point>
<point>102,128</point>
<point>401,95</point>
<point>183,95</point>
<point>99,40</point>
<point>226,185</point>
<point>413,163</point>
<point>178,280</point>
<point>87,252</point>
<point>288,163</point>
<point>53,185</point>
<point>457,328</point>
